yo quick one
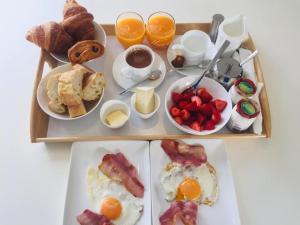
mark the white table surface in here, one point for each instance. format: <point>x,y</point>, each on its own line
<point>266,172</point>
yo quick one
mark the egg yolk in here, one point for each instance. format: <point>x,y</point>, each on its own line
<point>189,189</point>
<point>111,208</point>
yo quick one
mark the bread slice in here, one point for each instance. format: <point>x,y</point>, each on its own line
<point>93,86</point>
<point>57,108</point>
<point>55,103</point>
<point>70,87</point>
<point>76,110</point>
<point>86,70</point>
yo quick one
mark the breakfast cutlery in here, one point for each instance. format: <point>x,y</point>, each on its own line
<point>210,66</point>
<point>249,58</point>
<point>152,76</point>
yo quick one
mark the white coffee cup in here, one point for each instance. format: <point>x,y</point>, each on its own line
<point>193,46</point>
<point>137,73</point>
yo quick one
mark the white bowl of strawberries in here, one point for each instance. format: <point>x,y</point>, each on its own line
<point>204,111</point>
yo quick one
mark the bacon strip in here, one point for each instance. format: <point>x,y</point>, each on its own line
<point>183,153</point>
<point>118,168</point>
<point>90,218</point>
<point>185,211</point>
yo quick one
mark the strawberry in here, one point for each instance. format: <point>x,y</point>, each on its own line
<point>220,104</point>
<point>197,100</point>
<point>178,120</point>
<point>175,111</point>
<point>191,107</point>
<point>209,125</point>
<point>201,118</point>
<point>190,120</point>
<point>204,95</point>
<point>182,104</point>
<point>206,109</point>
<point>176,97</point>
<point>216,117</point>
<point>196,126</point>
<point>187,96</point>
<point>185,114</point>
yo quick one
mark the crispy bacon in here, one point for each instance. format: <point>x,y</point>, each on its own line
<point>90,218</point>
<point>185,211</point>
<point>183,153</point>
<point>118,168</point>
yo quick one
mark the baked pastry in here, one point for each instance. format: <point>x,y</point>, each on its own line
<point>51,37</point>
<point>76,110</point>
<point>77,21</point>
<point>84,51</point>
<point>86,70</point>
<point>55,103</point>
<point>93,86</point>
<point>57,108</point>
<point>70,87</point>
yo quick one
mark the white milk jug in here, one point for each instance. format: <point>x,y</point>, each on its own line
<point>233,30</point>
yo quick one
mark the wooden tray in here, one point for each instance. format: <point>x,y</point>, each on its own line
<point>39,120</point>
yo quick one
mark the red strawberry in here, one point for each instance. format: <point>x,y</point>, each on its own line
<point>185,114</point>
<point>209,125</point>
<point>206,109</point>
<point>178,120</point>
<point>196,126</point>
<point>197,100</point>
<point>175,111</point>
<point>191,107</point>
<point>182,104</point>
<point>204,95</point>
<point>220,104</point>
<point>216,117</point>
<point>176,97</point>
<point>190,120</point>
<point>201,118</point>
<point>187,96</point>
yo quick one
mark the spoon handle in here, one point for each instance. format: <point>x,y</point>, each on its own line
<point>249,58</point>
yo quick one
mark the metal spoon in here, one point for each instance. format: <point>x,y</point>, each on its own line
<point>152,76</point>
<point>211,64</point>
<point>249,58</point>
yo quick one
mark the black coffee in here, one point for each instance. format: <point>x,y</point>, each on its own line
<point>139,58</point>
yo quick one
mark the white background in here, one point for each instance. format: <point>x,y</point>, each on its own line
<point>266,172</point>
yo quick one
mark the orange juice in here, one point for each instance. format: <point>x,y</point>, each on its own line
<point>160,29</point>
<point>130,31</point>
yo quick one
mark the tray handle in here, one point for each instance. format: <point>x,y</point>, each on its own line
<point>39,119</point>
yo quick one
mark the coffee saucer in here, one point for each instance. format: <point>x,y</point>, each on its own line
<point>191,71</point>
<point>126,82</point>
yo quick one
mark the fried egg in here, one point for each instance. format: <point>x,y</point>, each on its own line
<point>111,199</point>
<point>194,183</point>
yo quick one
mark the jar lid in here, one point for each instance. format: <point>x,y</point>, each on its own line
<point>245,87</point>
<point>248,108</point>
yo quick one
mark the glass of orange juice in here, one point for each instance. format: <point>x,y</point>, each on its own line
<point>130,29</point>
<point>160,29</point>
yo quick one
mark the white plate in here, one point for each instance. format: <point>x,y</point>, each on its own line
<point>189,72</point>
<point>126,82</point>
<point>43,99</point>
<point>214,88</point>
<point>224,211</point>
<point>90,153</point>
<point>100,36</point>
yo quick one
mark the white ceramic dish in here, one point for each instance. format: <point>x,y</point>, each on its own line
<point>113,105</point>
<point>148,115</point>
<point>126,82</point>
<point>224,211</point>
<point>84,154</point>
<point>100,36</point>
<point>189,72</point>
<point>43,99</point>
<point>214,88</point>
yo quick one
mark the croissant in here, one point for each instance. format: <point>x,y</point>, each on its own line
<point>51,37</point>
<point>77,21</point>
